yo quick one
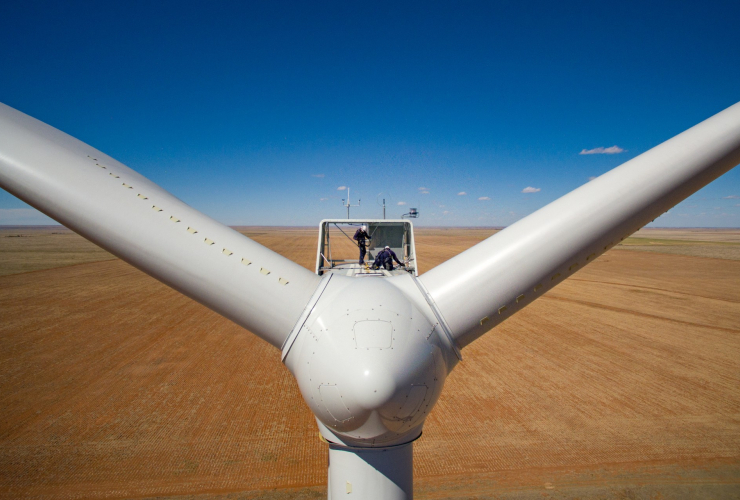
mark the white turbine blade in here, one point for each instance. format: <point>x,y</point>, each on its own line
<point>133,218</point>
<point>484,285</point>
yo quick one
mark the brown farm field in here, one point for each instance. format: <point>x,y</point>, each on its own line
<point>622,382</point>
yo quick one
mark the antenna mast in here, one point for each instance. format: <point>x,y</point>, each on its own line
<point>348,205</point>
<point>377,200</point>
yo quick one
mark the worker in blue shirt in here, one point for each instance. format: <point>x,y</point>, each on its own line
<point>360,237</point>
<point>385,258</point>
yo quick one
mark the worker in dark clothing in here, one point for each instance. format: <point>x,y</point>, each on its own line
<point>360,237</point>
<point>385,258</point>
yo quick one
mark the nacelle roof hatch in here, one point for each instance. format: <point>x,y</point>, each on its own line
<point>339,253</point>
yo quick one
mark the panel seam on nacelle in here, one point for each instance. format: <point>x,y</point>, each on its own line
<point>438,315</point>
<point>293,335</point>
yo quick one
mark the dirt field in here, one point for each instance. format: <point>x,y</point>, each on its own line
<point>712,243</point>
<point>623,382</point>
<point>31,248</point>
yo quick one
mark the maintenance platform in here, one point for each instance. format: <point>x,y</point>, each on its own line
<point>339,253</point>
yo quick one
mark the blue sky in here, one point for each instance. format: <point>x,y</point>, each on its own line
<point>257,112</point>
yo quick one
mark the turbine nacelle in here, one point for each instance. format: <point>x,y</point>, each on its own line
<point>370,360</point>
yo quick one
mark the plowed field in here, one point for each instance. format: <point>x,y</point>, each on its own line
<point>623,382</point>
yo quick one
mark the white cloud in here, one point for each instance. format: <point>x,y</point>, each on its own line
<point>423,189</point>
<point>423,192</point>
<point>530,189</point>
<point>323,199</point>
<point>341,188</point>
<point>401,202</point>
<point>445,212</point>
<point>320,176</point>
<point>731,197</point>
<point>462,193</point>
<point>484,198</point>
<point>22,216</point>
<point>602,151</point>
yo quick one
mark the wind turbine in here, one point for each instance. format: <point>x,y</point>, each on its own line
<point>370,354</point>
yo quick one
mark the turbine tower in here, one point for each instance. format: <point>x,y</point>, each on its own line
<point>370,354</point>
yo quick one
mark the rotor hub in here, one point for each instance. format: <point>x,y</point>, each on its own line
<point>369,360</point>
